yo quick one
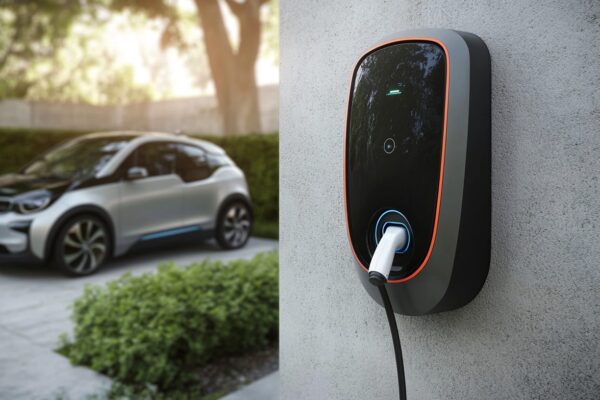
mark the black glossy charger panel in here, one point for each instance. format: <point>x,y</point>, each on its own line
<point>396,125</point>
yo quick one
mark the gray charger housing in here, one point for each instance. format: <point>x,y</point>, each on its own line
<point>418,153</point>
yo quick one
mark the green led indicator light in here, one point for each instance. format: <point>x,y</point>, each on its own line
<point>394,92</point>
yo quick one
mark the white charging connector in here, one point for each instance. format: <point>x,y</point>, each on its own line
<point>395,237</point>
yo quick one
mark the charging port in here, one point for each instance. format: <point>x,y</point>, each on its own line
<point>388,219</point>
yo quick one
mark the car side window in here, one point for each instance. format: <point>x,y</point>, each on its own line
<point>158,158</point>
<point>192,163</point>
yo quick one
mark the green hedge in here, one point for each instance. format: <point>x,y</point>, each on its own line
<point>257,155</point>
<point>156,328</point>
<point>19,146</point>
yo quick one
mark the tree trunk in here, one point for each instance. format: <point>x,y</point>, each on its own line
<point>233,73</point>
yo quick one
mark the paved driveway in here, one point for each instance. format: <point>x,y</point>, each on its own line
<point>34,310</point>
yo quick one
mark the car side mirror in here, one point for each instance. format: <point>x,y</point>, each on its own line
<point>135,173</point>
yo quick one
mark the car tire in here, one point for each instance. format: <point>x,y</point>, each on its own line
<point>82,245</point>
<point>234,225</point>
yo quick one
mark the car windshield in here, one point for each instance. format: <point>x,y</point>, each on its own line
<point>77,158</point>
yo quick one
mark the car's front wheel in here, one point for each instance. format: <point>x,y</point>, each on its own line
<point>234,225</point>
<point>82,245</point>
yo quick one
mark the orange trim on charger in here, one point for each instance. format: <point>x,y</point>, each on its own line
<point>439,197</point>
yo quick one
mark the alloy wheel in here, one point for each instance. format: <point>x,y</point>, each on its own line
<point>236,225</point>
<point>85,246</point>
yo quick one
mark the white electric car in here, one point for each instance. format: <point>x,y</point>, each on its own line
<point>101,194</point>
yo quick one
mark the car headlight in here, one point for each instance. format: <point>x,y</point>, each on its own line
<point>33,202</point>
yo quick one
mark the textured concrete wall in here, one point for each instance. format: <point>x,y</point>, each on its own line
<point>191,114</point>
<point>534,331</point>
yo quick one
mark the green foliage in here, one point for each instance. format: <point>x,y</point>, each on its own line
<point>266,229</point>
<point>18,147</point>
<point>257,155</point>
<point>156,328</point>
<point>86,69</point>
<point>58,50</point>
<point>31,31</point>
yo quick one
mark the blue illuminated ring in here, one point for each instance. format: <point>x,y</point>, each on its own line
<point>385,225</point>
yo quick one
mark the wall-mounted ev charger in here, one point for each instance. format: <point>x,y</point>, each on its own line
<point>418,170</point>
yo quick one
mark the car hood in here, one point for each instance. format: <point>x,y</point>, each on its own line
<point>12,185</point>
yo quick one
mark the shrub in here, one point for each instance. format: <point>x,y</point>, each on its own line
<point>257,155</point>
<point>156,328</point>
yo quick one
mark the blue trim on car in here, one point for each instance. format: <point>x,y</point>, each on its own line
<point>171,232</point>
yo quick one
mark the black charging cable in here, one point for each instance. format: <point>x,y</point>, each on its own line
<point>395,338</point>
<point>380,267</point>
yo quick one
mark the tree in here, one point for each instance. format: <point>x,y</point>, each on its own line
<point>41,58</point>
<point>30,30</point>
<point>232,70</point>
<point>34,32</point>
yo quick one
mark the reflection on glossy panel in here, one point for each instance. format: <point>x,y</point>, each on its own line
<point>395,136</point>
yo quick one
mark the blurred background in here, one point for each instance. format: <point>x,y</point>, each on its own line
<point>208,67</point>
<point>158,324</point>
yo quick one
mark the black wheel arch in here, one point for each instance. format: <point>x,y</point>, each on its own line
<point>93,210</point>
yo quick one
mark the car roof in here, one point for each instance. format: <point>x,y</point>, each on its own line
<point>128,134</point>
<point>136,138</point>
